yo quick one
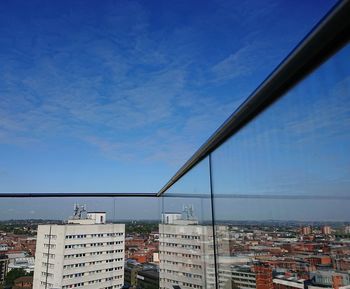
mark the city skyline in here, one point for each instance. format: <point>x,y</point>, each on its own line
<point>108,179</point>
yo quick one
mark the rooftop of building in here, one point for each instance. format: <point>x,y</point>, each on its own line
<point>150,273</point>
<point>96,212</point>
<point>24,279</point>
<point>242,268</point>
<point>290,278</point>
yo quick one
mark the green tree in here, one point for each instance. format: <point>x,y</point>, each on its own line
<point>13,275</point>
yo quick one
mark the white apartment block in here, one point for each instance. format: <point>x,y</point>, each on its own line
<point>84,253</point>
<point>186,254</point>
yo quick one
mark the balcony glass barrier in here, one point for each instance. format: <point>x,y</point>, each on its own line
<point>186,234</point>
<point>281,189</point>
<point>268,209</point>
<point>280,193</point>
<point>100,243</point>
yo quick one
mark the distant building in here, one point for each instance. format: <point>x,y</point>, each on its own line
<point>330,279</point>
<point>347,229</point>
<point>140,249</point>
<point>257,276</point>
<point>84,253</point>
<point>4,261</point>
<point>306,230</point>
<point>25,263</point>
<point>155,257</point>
<point>282,282</point>
<point>148,277</point>
<point>25,282</point>
<point>263,276</point>
<point>342,264</point>
<point>186,252</point>
<point>183,247</point>
<point>131,269</point>
<point>169,218</point>
<point>4,247</point>
<point>326,230</point>
<point>243,277</point>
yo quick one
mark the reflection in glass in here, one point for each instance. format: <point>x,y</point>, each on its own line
<point>87,242</point>
<point>281,188</point>
<point>186,233</point>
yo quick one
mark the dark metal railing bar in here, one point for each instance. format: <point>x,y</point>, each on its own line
<point>216,265</point>
<point>258,196</point>
<point>74,195</point>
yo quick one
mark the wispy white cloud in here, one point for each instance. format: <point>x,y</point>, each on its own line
<point>244,62</point>
<point>118,84</point>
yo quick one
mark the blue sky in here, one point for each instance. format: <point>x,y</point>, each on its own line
<point>116,95</point>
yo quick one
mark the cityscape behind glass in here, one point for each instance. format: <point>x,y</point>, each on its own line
<point>264,203</point>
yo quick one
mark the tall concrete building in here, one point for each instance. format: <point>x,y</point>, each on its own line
<point>4,262</point>
<point>306,230</point>
<point>326,230</point>
<point>186,252</point>
<point>84,253</point>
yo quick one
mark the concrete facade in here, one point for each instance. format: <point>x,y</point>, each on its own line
<point>80,254</point>
<point>185,253</point>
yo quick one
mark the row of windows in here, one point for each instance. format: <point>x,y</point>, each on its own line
<point>101,235</point>
<point>106,261</point>
<point>50,246</point>
<point>48,265</point>
<point>252,280</point>
<point>240,274</point>
<point>48,236</point>
<point>69,276</point>
<point>49,255</point>
<point>74,265</point>
<point>181,264</point>
<point>91,263</point>
<point>77,236</point>
<point>186,246</point>
<point>46,284</point>
<point>192,256</point>
<point>75,246</point>
<point>73,285</point>
<point>101,244</point>
<point>46,274</point>
<point>111,287</point>
<point>107,252</point>
<point>182,283</point>
<point>93,282</point>
<point>73,256</point>
<point>191,285</point>
<point>188,237</point>
<point>185,274</point>
<point>115,243</point>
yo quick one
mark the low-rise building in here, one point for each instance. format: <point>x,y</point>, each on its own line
<point>131,269</point>
<point>4,261</point>
<point>148,277</point>
<point>23,282</point>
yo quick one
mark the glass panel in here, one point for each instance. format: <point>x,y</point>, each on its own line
<point>281,188</point>
<point>100,243</point>
<point>186,233</point>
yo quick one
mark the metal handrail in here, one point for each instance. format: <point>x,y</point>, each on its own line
<point>73,195</point>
